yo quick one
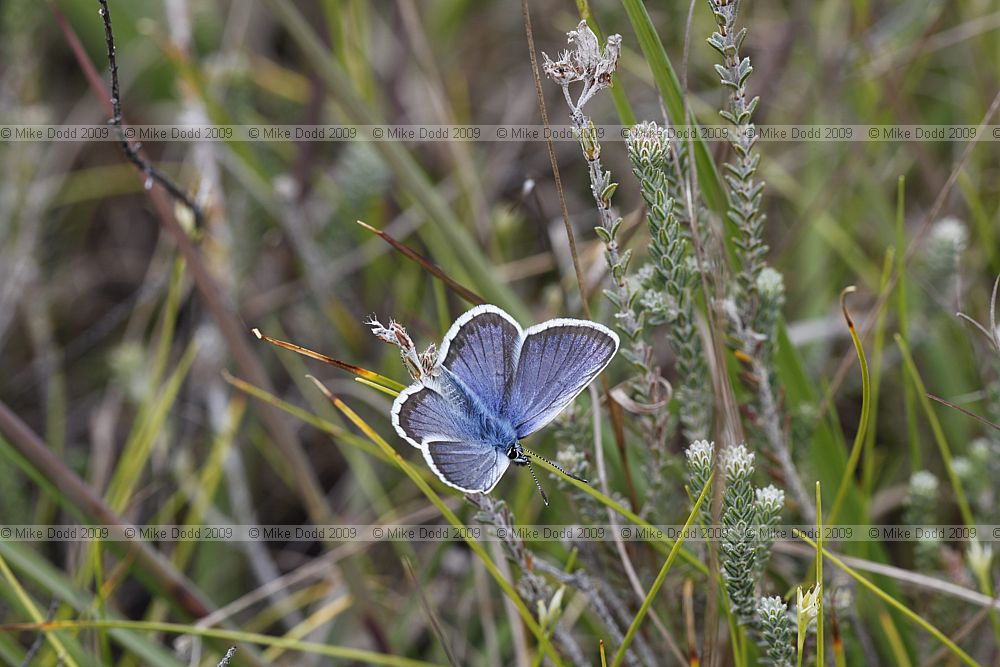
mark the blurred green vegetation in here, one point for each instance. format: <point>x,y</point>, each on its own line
<point>114,357</point>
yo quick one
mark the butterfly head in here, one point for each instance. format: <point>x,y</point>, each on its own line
<point>516,453</point>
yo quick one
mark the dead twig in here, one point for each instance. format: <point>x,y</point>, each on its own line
<point>133,151</point>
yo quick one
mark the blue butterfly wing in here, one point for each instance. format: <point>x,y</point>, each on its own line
<point>481,349</point>
<point>558,359</point>
<point>469,467</point>
<point>462,444</point>
<point>497,384</point>
<point>422,412</point>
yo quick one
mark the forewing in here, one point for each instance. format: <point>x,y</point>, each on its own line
<point>481,350</point>
<point>421,412</point>
<point>558,359</point>
<point>469,467</point>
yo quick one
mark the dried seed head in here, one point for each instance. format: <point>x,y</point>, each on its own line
<point>418,366</point>
<point>561,71</point>
<point>608,63</point>
<point>586,62</point>
<point>588,49</point>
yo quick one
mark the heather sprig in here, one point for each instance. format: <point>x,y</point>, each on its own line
<point>776,631</point>
<point>669,249</point>
<point>593,67</point>
<point>534,589</point>
<point>768,502</point>
<point>700,464</point>
<point>947,240</point>
<point>754,309</point>
<point>746,510</point>
<point>771,292</point>
<point>739,546</point>
<point>745,192</point>
<point>921,507</point>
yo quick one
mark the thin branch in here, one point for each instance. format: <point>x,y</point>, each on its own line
<point>427,264</point>
<point>963,410</point>
<point>228,322</point>
<point>570,236</point>
<point>132,151</point>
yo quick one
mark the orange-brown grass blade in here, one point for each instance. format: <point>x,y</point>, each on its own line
<point>364,373</point>
<point>454,286</point>
<point>692,637</point>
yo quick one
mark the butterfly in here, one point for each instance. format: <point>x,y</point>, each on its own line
<point>493,384</point>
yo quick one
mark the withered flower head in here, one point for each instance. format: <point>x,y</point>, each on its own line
<point>586,62</point>
<point>419,366</point>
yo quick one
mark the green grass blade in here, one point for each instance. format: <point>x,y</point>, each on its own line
<point>869,458</point>
<point>658,582</point>
<point>862,432</point>
<point>902,305</point>
<point>447,513</point>
<point>820,629</point>
<point>339,652</point>
<point>26,602</point>
<point>939,437</point>
<point>894,603</point>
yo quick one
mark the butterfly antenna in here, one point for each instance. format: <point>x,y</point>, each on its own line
<point>545,498</point>
<point>556,466</point>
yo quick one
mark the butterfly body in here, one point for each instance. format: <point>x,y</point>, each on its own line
<point>494,384</point>
<point>483,423</point>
